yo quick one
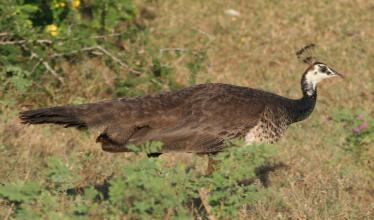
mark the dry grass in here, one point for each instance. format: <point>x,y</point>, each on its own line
<point>255,49</point>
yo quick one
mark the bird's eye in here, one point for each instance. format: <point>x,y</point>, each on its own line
<point>323,69</point>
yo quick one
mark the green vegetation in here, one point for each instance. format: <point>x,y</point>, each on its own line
<point>39,37</point>
<point>143,189</point>
<point>75,51</point>
<point>358,144</point>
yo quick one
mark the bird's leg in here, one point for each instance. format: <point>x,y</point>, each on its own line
<point>212,163</point>
<point>204,192</point>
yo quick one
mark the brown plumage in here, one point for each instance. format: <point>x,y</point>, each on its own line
<point>189,120</point>
<point>197,119</point>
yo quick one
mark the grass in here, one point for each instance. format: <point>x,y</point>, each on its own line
<point>256,49</point>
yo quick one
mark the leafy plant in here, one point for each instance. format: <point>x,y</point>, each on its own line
<point>228,193</point>
<point>16,77</point>
<point>20,191</point>
<point>148,147</point>
<point>196,65</point>
<point>144,189</point>
<point>358,142</point>
<point>37,36</point>
<point>61,176</point>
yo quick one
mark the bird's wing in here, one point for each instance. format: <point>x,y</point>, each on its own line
<point>205,123</point>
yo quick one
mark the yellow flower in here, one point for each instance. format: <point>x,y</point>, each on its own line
<point>75,3</point>
<point>52,29</point>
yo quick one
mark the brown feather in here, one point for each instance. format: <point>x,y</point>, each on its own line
<point>195,119</point>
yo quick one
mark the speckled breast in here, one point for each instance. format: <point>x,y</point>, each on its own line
<point>269,128</point>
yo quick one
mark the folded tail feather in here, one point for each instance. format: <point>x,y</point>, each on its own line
<point>79,116</point>
<point>62,115</point>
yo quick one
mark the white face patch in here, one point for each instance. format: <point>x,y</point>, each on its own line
<point>318,73</point>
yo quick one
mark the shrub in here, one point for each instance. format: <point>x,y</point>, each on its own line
<point>358,142</point>
<point>145,189</point>
<point>36,36</point>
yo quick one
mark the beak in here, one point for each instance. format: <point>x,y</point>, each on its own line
<point>340,75</point>
<point>337,74</point>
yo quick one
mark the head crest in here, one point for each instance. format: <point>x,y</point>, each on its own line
<point>305,54</point>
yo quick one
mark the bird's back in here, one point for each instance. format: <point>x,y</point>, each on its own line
<point>200,118</point>
<point>193,119</point>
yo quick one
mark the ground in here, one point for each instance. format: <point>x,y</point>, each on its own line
<point>322,180</point>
